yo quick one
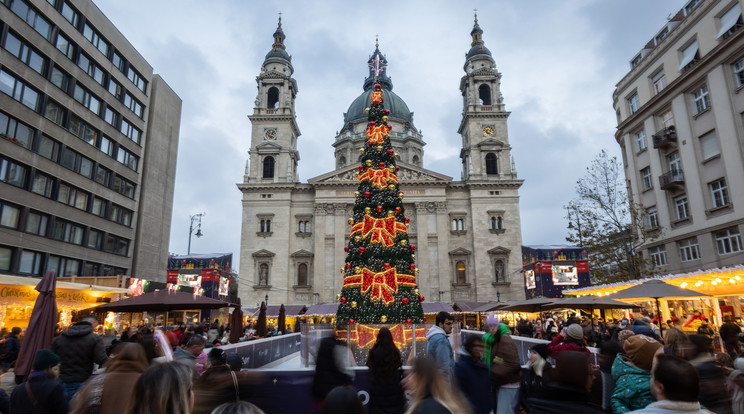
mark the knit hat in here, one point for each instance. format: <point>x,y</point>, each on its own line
<point>574,331</point>
<point>624,335</point>
<point>45,359</point>
<point>217,357</point>
<point>641,349</point>
<point>541,349</point>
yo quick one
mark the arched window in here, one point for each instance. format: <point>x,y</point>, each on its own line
<point>454,225</point>
<point>272,101</point>
<point>268,167</point>
<point>484,94</point>
<point>302,275</point>
<point>492,165</point>
<point>499,223</point>
<point>493,223</point>
<point>341,162</point>
<point>265,226</point>
<point>498,270</point>
<point>263,274</point>
<point>460,224</point>
<point>415,160</point>
<point>461,273</point>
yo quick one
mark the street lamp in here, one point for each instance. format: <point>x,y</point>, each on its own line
<point>267,299</point>
<point>498,296</point>
<point>195,217</point>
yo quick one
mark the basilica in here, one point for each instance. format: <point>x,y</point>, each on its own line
<point>467,232</point>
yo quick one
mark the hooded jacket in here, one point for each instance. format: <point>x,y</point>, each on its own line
<point>439,349</point>
<point>78,348</point>
<point>632,386</point>
<point>472,377</point>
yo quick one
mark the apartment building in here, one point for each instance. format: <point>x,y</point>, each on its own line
<point>88,145</point>
<point>680,112</point>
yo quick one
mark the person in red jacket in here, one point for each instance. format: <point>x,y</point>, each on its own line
<point>570,339</point>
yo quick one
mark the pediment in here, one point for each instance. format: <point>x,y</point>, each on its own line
<point>460,252</point>
<point>407,174</point>
<point>273,74</point>
<point>301,253</point>
<point>268,146</point>
<point>484,71</point>
<point>499,251</point>
<point>490,143</point>
<point>264,253</point>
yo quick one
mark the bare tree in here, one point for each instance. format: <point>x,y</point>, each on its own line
<point>605,221</point>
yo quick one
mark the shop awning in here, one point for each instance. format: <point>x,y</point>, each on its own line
<point>163,301</point>
<point>322,309</point>
<point>33,281</point>
<point>436,307</point>
<point>467,307</point>
<point>272,311</point>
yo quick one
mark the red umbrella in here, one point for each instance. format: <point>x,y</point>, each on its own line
<point>236,324</point>
<point>282,321</point>
<point>41,326</point>
<point>261,328</point>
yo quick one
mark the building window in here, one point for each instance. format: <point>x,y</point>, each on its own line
<point>133,105</point>
<point>719,193</point>
<point>728,241</point>
<point>272,98</point>
<point>124,187</point>
<point>70,14</point>
<point>263,274</point>
<point>302,275</point>
<point>67,232</point>
<point>25,53</point>
<point>641,140</point>
<point>303,226</point>
<point>653,217</point>
<point>82,130</point>
<point>42,184</point>
<point>265,226</point>
<point>689,56</point>
<point>646,179</point>
<point>633,103</point>
<point>701,99</point>
<point>99,207</point>
<point>661,35</point>
<point>667,119</point>
<point>65,46</point>
<point>72,196</point>
<point>93,70</point>
<point>730,22</point>
<point>674,162</point>
<point>130,131</point>
<point>136,79</point>
<point>32,17</point>
<point>55,113</point>
<point>691,5</point>
<point>60,79</point>
<point>709,145</point>
<point>15,131</point>
<point>12,173</point>
<point>36,223</point>
<point>739,73</point>
<point>491,164</point>
<point>120,215</point>
<point>95,239</point>
<point>636,60</point>
<point>484,95</point>
<point>681,207</point>
<point>9,215</point>
<point>48,148</point>
<point>30,263</point>
<point>116,245</point>
<point>499,271</point>
<point>18,90</point>
<point>497,223</point>
<point>458,224</point>
<point>689,250</point>
<point>659,82</point>
<point>658,255</point>
<point>6,254</point>
<point>95,38</point>
<point>461,273</point>
<point>87,99</point>
<point>127,158</point>
<point>64,266</point>
<point>268,167</point>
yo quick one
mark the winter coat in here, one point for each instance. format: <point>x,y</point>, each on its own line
<point>533,384</point>
<point>713,394</point>
<point>632,386</point>
<point>431,406</point>
<point>48,393</point>
<point>386,395</point>
<point>78,348</point>
<point>558,398</point>
<point>505,364</point>
<point>12,347</point>
<point>439,349</point>
<point>672,407</point>
<point>472,377</point>
<point>112,389</point>
<point>328,375</point>
<point>557,345</point>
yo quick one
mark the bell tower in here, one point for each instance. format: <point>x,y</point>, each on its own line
<point>486,153</point>
<point>273,155</point>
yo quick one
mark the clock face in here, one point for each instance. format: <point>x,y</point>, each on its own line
<point>270,134</point>
<point>488,131</point>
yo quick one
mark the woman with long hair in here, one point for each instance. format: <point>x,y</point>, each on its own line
<point>675,340</point>
<point>384,362</point>
<point>163,389</point>
<point>110,391</point>
<point>431,393</point>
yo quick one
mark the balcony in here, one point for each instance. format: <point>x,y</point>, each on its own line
<point>672,180</point>
<point>665,137</point>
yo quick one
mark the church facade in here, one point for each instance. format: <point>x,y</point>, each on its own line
<point>467,232</point>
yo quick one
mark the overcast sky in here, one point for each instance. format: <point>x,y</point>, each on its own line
<point>560,61</point>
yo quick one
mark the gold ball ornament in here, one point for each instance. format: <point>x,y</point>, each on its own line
<point>351,221</point>
<point>366,110</point>
<point>416,291</point>
<point>415,271</point>
<point>367,210</point>
<point>361,151</point>
<point>338,296</point>
<point>392,169</point>
<point>383,319</point>
<point>354,304</point>
<point>357,270</point>
<point>384,118</point>
<point>357,174</point>
<point>400,195</point>
<point>413,257</point>
<point>403,243</point>
<point>391,187</point>
<point>343,270</point>
<point>379,148</point>
<point>397,155</point>
<point>356,193</point>
<point>357,239</point>
<point>391,213</point>
<point>368,163</point>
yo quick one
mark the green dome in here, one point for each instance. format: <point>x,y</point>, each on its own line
<point>277,52</point>
<point>398,108</point>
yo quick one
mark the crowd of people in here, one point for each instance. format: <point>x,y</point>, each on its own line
<point>183,369</point>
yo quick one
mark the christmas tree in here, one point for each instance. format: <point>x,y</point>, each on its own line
<point>380,273</point>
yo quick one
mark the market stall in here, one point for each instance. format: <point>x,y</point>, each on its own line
<point>292,313</point>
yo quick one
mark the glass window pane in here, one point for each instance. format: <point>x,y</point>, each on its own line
<point>5,255</point>
<point>9,216</point>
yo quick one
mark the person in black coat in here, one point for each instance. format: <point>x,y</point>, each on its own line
<point>537,373</point>
<point>568,388</point>
<point>473,377</point>
<point>330,369</point>
<point>384,362</point>
<point>41,393</point>
<point>12,347</point>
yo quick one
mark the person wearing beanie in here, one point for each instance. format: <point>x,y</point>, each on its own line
<point>41,392</point>
<point>632,372</point>
<point>570,339</point>
<point>535,376</point>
